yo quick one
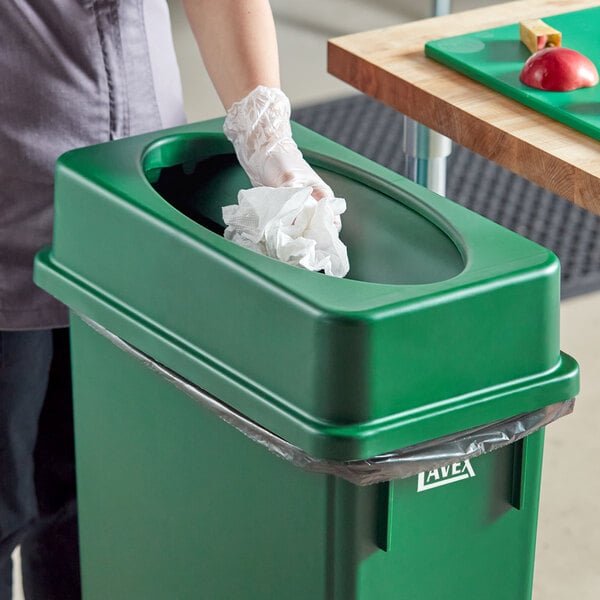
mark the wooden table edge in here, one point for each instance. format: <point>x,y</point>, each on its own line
<point>387,64</point>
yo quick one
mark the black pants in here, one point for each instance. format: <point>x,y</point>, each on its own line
<point>37,474</point>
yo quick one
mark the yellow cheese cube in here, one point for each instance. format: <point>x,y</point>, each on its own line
<point>536,35</point>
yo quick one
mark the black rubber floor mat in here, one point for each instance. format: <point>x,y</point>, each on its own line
<point>375,131</point>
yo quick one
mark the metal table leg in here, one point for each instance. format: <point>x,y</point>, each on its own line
<point>425,150</point>
<point>425,155</point>
<point>442,7</point>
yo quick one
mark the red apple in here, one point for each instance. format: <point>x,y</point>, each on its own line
<point>559,70</point>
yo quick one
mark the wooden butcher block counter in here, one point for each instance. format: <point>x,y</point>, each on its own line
<point>390,65</point>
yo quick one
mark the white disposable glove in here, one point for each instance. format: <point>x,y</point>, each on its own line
<point>258,126</point>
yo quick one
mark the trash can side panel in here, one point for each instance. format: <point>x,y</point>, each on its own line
<point>175,502</point>
<point>454,537</point>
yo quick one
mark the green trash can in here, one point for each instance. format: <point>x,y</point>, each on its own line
<point>246,429</point>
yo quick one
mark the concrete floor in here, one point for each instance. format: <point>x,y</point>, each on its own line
<point>568,554</point>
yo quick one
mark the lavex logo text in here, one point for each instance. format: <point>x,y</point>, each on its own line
<point>445,475</point>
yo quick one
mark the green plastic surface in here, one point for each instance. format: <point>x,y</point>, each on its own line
<point>447,320</point>
<point>495,58</point>
<point>175,503</point>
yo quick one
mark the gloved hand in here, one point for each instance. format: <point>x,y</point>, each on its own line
<point>258,126</point>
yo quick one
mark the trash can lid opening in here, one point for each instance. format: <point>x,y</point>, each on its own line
<point>388,242</point>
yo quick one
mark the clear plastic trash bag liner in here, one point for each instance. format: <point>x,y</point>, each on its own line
<point>398,464</point>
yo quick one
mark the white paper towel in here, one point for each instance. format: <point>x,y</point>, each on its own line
<point>290,225</point>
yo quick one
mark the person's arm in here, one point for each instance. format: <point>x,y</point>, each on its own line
<point>238,45</point>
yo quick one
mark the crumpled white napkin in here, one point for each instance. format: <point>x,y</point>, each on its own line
<point>290,225</point>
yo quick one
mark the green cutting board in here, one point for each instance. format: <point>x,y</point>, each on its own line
<point>495,57</point>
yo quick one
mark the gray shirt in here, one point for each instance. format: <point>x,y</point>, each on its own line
<point>72,73</point>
